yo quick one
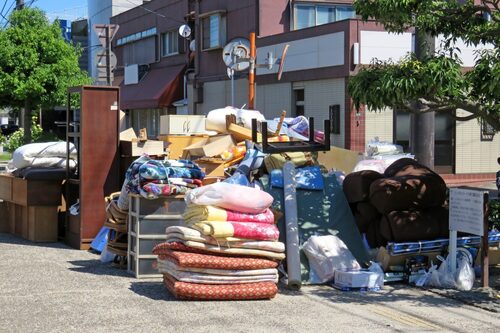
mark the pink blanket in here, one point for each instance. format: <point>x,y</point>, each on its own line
<point>246,230</point>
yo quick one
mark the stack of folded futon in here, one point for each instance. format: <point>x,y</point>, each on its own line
<point>223,253</point>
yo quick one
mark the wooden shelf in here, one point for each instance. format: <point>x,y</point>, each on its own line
<point>95,136</point>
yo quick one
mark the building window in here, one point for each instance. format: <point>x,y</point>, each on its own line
<point>214,31</point>
<point>310,15</point>
<point>169,43</point>
<point>136,36</point>
<point>299,102</point>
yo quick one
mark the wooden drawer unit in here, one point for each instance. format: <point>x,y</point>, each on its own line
<point>6,187</point>
<point>36,192</point>
<point>180,124</point>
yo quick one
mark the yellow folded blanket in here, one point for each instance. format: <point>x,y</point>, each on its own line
<point>196,213</point>
<point>216,229</point>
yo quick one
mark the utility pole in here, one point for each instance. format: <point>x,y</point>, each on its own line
<point>23,113</point>
<point>422,125</point>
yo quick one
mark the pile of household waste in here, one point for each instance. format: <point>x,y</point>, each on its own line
<point>351,228</point>
<point>229,249</point>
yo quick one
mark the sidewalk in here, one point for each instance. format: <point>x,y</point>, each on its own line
<point>53,288</point>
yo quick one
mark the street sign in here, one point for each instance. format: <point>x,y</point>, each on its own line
<point>100,30</point>
<point>100,59</point>
<point>467,214</point>
<point>467,211</point>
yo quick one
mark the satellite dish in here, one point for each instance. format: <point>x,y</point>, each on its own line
<point>236,54</point>
<point>185,31</point>
<point>192,45</point>
<point>282,61</point>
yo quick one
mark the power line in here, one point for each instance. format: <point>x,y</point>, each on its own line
<point>4,5</point>
<point>8,10</point>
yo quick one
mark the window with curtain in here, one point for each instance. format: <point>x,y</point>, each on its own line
<point>169,43</point>
<point>214,31</point>
<point>310,15</point>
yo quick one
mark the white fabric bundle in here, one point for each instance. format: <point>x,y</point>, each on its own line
<point>216,119</point>
<point>43,155</point>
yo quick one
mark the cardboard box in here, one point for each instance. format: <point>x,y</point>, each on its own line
<point>356,279</point>
<point>176,143</point>
<point>130,145</point>
<point>212,168</point>
<point>339,159</point>
<point>493,257</point>
<point>209,147</point>
<point>150,147</point>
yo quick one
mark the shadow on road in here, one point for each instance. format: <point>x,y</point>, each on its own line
<point>153,290</point>
<point>97,267</point>
<point>16,240</point>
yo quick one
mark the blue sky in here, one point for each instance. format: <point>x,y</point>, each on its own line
<point>63,9</point>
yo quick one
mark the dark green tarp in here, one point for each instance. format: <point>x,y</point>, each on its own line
<point>321,213</point>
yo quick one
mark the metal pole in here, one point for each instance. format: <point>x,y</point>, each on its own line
<point>108,56</point>
<point>485,279</point>
<point>251,75</point>
<point>232,87</point>
<point>19,4</point>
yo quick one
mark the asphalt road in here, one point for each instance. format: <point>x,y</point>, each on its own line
<point>52,288</point>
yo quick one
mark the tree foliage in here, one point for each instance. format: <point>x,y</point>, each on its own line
<point>438,82</point>
<point>36,64</point>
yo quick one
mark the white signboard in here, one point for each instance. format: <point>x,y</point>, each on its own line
<point>467,211</point>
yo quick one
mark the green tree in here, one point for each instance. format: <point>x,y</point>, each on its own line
<point>435,82</point>
<point>36,64</point>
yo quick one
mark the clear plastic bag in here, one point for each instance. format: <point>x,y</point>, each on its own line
<point>446,276</point>
<point>376,268</point>
<point>464,276</point>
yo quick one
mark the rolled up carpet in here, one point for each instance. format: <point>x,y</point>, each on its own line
<point>199,291</point>
<point>356,185</point>
<point>292,228</point>
<point>407,193</point>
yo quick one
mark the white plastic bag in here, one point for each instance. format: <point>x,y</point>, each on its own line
<point>377,147</point>
<point>465,276</point>
<point>376,268</point>
<point>327,254</point>
<point>446,276</point>
<point>431,278</point>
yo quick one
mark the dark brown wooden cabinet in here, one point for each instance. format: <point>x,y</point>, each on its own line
<point>92,126</point>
